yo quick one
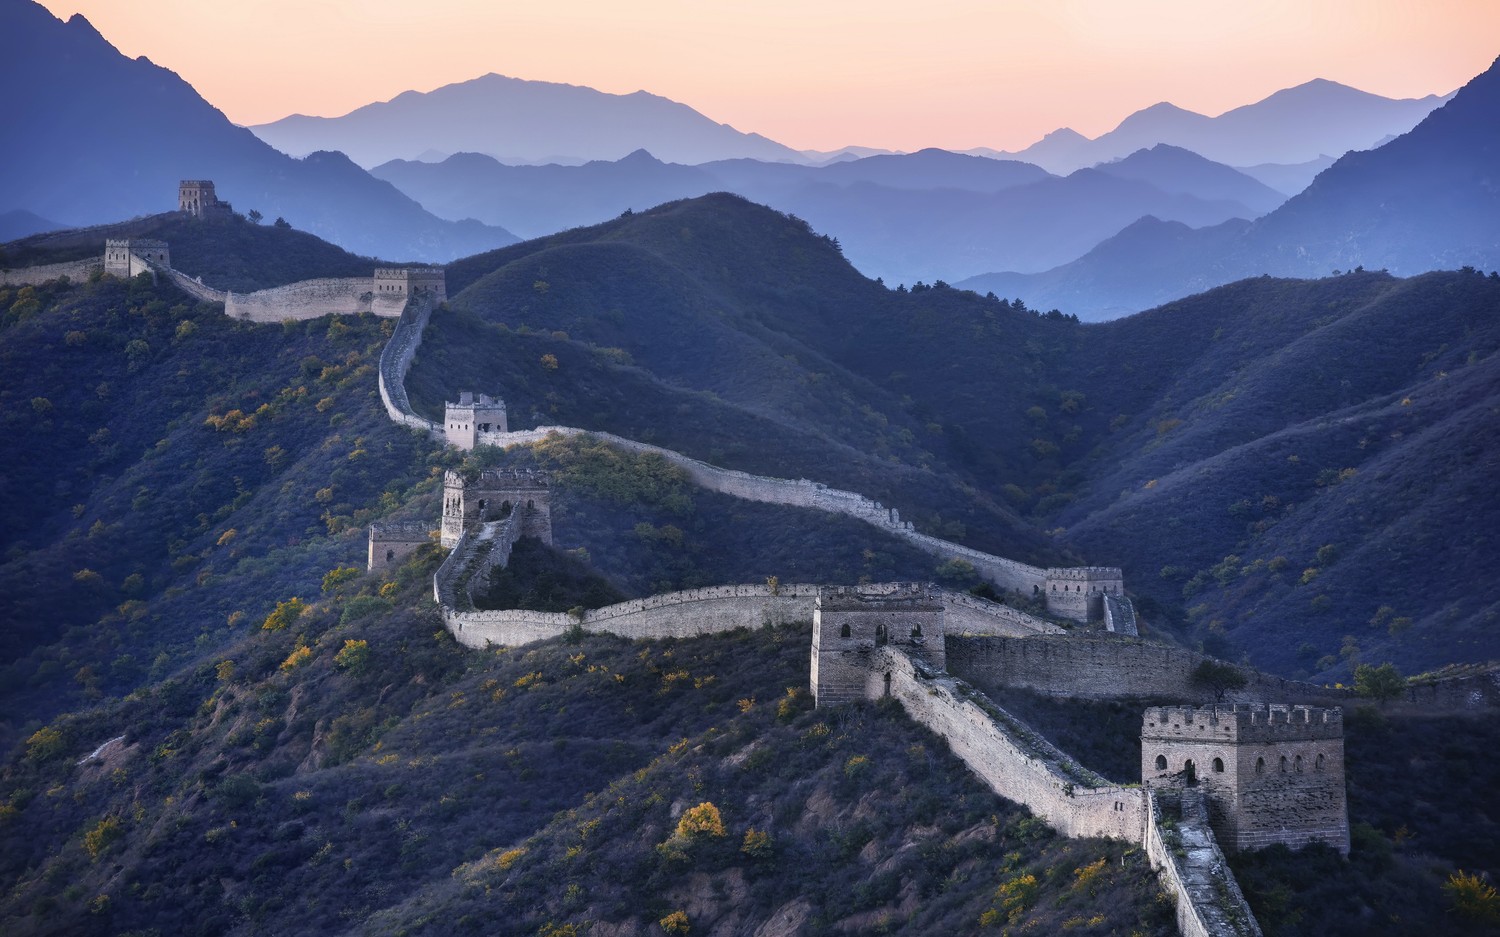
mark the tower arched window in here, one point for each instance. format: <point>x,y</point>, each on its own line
<point>1218,766</point>
<point>1161,762</point>
<point>1298,764</point>
<point>844,631</point>
<point>1318,765</point>
<point>1260,766</point>
<point>1283,764</point>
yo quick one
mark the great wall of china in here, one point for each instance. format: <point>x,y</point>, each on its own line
<point>907,642</point>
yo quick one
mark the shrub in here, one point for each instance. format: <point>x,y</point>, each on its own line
<point>284,614</point>
<point>301,655</point>
<point>1473,898</point>
<point>44,745</point>
<point>702,820</point>
<point>1382,684</point>
<point>354,656</point>
<point>338,576</point>
<point>102,836</point>
<point>675,923</point>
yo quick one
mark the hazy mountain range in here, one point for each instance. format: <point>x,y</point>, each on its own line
<point>1294,125</point>
<point>101,137</point>
<point>919,216</point>
<point>523,122</point>
<point>1428,200</point>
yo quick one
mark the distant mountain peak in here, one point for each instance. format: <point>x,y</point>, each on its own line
<point>523,121</point>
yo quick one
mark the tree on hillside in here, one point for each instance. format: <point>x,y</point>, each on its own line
<point>1381,684</point>
<point>1218,678</point>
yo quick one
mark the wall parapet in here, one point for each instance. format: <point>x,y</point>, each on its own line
<point>1193,870</point>
<point>1108,666</point>
<point>74,270</point>
<point>1013,760</point>
<point>395,362</point>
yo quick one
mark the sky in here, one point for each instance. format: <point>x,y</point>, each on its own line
<point>814,74</point>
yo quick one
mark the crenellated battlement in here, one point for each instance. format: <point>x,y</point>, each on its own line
<point>1101,574</point>
<point>1243,722</point>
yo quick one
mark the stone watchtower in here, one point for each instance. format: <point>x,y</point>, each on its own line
<point>465,420</point>
<point>407,282</point>
<point>493,496</point>
<point>1078,592</point>
<point>390,544</point>
<point>197,198</point>
<point>1270,774</point>
<point>849,623</point>
<point>126,257</point>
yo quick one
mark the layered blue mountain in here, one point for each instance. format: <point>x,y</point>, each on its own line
<point>1183,172</point>
<point>1292,126</point>
<point>919,216</point>
<point>100,137</point>
<point>519,121</point>
<point>19,223</point>
<point>1428,200</point>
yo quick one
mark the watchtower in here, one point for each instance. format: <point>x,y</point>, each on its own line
<point>390,544</point>
<point>1078,592</point>
<point>493,496</point>
<point>409,281</point>
<point>465,420</point>
<point>126,257</point>
<point>197,198</point>
<point>1270,774</point>
<point>849,623</point>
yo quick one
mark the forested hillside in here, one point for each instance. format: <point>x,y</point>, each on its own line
<point>1226,450</point>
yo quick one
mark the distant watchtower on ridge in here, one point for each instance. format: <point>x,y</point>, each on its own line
<point>464,421</point>
<point>197,198</point>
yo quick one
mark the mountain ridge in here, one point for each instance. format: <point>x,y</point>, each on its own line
<point>519,119</point>
<point>126,159</point>
<point>1289,126</point>
<point>1423,201</point>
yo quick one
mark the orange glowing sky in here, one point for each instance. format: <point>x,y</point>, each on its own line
<point>814,73</point>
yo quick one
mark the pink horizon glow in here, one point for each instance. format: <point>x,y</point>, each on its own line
<point>955,74</point>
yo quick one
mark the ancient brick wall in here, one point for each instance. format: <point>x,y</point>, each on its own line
<point>307,299</point>
<point>75,270</point>
<point>1014,761</point>
<point>1192,869</point>
<point>670,615</point>
<point>1107,667</point>
<point>395,361</point>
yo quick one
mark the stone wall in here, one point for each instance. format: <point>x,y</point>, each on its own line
<point>670,615</point>
<point>395,361</point>
<point>1007,574</point>
<point>75,270</point>
<point>967,614</point>
<point>1192,869</point>
<point>1108,667</point>
<point>1472,692</point>
<point>308,299</point>
<point>195,287</point>
<point>1011,759</point>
